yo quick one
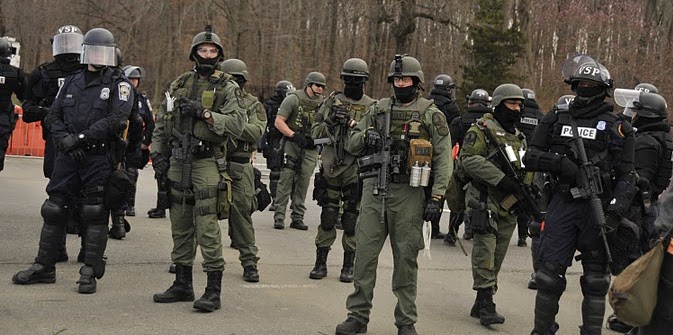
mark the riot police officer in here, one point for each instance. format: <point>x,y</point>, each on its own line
<point>490,185</point>
<point>556,147</point>
<point>14,83</point>
<point>85,120</point>
<point>207,115</point>
<point>294,120</point>
<point>244,203</point>
<point>411,129</point>
<point>478,104</point>
<point>647,88</point>
<point>530,117</point>
<point>341,188</point>
<point>272,137</point>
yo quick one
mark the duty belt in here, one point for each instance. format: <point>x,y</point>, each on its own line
<point>200,152</point>
<point>239,160</point>
<point>95,148</point>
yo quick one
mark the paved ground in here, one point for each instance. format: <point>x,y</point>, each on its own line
<point>285,301</point>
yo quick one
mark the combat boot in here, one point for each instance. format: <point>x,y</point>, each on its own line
<point>210,300</point>
<point>298,224</point>
<point>436,234</point>
<point>521,242</point>
<point>487,313</point>
<point>273,207</point>
<point>551,331</point>
<point>87,280</point>
<point>250,274</point>
<point>450,240</point>
<point>131,211</point>
<point>617,325</point>
<point>347,269</point>
<point>172,267</point>
<point>320,269</point>
<point>118,230</point>
<point>468,235</point>
<point>532,284</point>
<point>407,330</point>
<point>37,273</point>
<point>351,327</point>
<point>474,311</point>
<point>181,290</point>
<point>156,213</point>
<point>278,224</point>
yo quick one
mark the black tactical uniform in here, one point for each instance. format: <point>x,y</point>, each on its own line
<point>12,81</point>
<point>609,146</point>
<point>270,145</point>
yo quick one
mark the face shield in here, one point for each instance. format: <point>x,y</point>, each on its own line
<point>583,67</point>
<point>629,99</point>
<point>67,43</point>
<point>101,55</point>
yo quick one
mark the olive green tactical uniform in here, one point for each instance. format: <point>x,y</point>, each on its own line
<point>489,248</point>
<point>404,206</point>
<point>340,170</point>
<point>244,202</point>
<point>194,218</point>
<point>298,164</point>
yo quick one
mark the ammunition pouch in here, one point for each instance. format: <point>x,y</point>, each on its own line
<point>118,189</point>
<point>203,132</point>
<point>223,196</point>
<point>480,217</point>
<point>320,188</point>
<point>420,151</point>
<point>291,163</point>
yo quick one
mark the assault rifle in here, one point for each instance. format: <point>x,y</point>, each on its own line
<point>185,153</point>
<point>525,202</point>
<point>341,135</point>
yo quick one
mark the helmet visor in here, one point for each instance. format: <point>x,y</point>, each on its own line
<point>627,98</point>
<point>101,55</point>
<point>584,67</point>
<point>67,43</point>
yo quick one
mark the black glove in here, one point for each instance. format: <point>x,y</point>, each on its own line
<point>191,108</point>
<point>508,186</point>
<point>159,163</point>
<point>568,168</point>
<point>373,139</point>
<point>77,154</point>
<point>69,143</point>
<point>612,220</point>
<point>339,115</point>
<point>302,141</point>
<point>433,209</point>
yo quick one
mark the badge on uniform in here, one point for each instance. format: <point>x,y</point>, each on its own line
<point>105,93</point>
<point>124,89</point>
<point>600,125</point>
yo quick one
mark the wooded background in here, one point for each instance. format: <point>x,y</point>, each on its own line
<point>286,39</point>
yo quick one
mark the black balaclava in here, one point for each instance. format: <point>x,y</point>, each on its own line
<point>68,62</point>
<point>585,95</point>
<point>354,91</point>
<point>506,117</point>
<point>206,66</point>
<point>240,80</point>
<point>406,94</point>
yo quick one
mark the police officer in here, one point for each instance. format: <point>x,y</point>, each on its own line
<point>542,180</point>
<point>87,116</point>
<point>208,113</point>
<point>271,139</point>
<point>398,211</point>
<point>43,84</point>
<point>140,157</point>
<point>340,112</point>
<point>609,145</point>
<point>244,202</point>
<point>14,83</point>
<point>489,186</point>
<point>294,120</point>
<point>530,117</point>
<point>478,104</point>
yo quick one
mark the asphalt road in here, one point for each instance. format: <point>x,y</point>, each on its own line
<point>285,301</point>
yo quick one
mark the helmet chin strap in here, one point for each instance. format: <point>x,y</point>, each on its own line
<point>310,87</point>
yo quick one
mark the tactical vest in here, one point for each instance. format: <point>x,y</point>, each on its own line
<point>665,166</point>
<point>466,121</point>
<point>516,140</point>
<point>530,117</point>
<point>303,118</point>
<point>244,148</point>
<point>601,141</point>
<point>9,82</point>
<point>54,77</point>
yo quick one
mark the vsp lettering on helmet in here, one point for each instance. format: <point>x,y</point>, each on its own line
<point>647,87</point>
<point>68,40</point>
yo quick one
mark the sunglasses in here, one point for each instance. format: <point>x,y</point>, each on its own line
<point>320,86</point>
<point>354,80</point>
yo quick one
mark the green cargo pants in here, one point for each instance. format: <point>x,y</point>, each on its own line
<point>196,224</point>
<point>294,183</point>
<point>404,224</point>
<point>489,250</point>
<point>338,188</point>
<point>243,204</point>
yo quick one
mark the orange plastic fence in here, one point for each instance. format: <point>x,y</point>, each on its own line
<point>26,139</point>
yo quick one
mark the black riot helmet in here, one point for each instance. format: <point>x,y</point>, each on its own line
<point>133,72</point>
<point>528,94</point>
<point>5,48</point>
<point>99,48</point>
<point>647,105</point>
<point>479,97</point>
<point>563,103</point>
<point>583,68</point>
<point>647,87</point>
<point>284,87</point>
<point>68,40</point>
<point>443,82</point>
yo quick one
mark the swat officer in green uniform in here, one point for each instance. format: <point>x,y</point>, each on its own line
<point>338,114</point>
<point>492,222</point>
<point>393,133</point>
<point>295,118</point>
<point>208,113</point>
<point>244,202</point>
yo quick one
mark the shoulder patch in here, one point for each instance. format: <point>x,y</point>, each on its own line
<point>261,113</point>
<point>470,138</point>
<point>439,121</point>
<point>124,89</point>
<point>239,96</point>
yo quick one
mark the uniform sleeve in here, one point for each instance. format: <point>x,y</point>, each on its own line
<point>473,158</point>
<point>54,119</point>
<point>159,136</point>
<point>254,128</point>
<point>442,162</point>
<point>148,121</point>
<point>288,106</point>
<point>230,120</point>
<point>647,155</point>
<point>624,163</point>
<point>320,128</point>
<point>33,94</point>
<point>356,140</point>
<point>120,105</point>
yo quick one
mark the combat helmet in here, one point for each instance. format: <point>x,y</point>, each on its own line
<point>507,92</point>
<point>405,66</point>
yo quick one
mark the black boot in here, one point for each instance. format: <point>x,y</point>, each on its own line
<point>172,268</point>
<point>181,290</point>
<point>250,274</point>
<point>407,330</point>
<point>347,269</point>
<point>37,273</point>
<point>298,224</point>
<point>474,311</point>
<point>436,234</point>
<point>278,224</point>
<point>156,213</point>
<point>210,300</point>
<point>618,326</point>
<point>320,269</point>
<point>87,280</point>
<point>532,284</point>
<point>118,231</point>
<point>351,327</point>
<point>487,313</point>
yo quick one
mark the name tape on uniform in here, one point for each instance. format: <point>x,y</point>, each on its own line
<point>584,132</point>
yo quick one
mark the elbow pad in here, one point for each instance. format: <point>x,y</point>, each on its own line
<point>536,160</point>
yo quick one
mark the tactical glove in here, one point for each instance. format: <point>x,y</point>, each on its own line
<point>508,186</point>
<point>339,115</point>
<point>191,108</point>
<point>568,168</point>
<point>77,154</point>
<point>302,141</point>
<point>433,209</point>
<point>159,163</point>
<point>70,142</point>
<point>373,139</point>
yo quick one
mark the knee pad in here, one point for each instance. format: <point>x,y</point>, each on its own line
<point>95,214</point>
<point>53,211</point>
<point>348,221</point>
<point>551,278</point>
<point>352,194</point>
<point>595,283</point>
<point>329,217</point>
<point>274,175</point>
<point>535,228</point>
